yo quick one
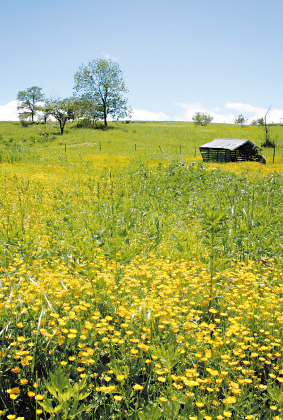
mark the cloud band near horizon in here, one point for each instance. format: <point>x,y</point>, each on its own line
<point>227,114</point>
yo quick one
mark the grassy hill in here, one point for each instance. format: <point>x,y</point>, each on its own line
<point>140,139</point>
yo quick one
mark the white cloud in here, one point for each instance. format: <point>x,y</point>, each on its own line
<point>250,112</point>
<point>244,108</point>
<point>274,115</point>
<point>189,109</point>
<point>144,115</point>
<point>9,111</point>
<point>253,113</point>
<point>107,56</point>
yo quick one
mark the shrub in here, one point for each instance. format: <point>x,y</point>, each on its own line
<point>24,123</point>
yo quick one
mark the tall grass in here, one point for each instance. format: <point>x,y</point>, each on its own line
<point>136,284</point>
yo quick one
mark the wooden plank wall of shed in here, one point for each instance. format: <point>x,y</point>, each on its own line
<point>244,153</point>
<point>216,155</point>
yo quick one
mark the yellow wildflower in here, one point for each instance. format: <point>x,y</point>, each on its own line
<point>137,387</point>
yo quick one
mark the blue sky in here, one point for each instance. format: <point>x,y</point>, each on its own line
<point>223,57</point>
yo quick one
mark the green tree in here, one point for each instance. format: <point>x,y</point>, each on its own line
<point>62,110</point>
<point>88,110</point>
<point>259,122</point>
<point>240,120</point>
<point>29,102</point>
<point>101,82</point>
<point>201,118</point>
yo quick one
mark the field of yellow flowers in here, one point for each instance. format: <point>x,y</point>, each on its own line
<point>140,289</point>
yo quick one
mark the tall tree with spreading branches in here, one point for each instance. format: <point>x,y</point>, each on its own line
<point>101,82</point>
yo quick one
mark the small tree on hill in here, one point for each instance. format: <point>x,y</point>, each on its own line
<point>206,119</point>
<point>62,110</point>
<point>201,118</point>
<point>240,120</point>
<point>29,102</point>
<point>259,122</point>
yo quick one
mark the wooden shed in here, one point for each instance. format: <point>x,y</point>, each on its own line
<point>231,150</point>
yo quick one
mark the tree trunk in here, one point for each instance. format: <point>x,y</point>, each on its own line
<point>62,125</point>
<point>105,114</point>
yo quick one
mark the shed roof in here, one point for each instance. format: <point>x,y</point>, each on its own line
<point>229,144</point>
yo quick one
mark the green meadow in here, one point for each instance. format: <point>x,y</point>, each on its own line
<point>147,139</point>
<point>138,282</point>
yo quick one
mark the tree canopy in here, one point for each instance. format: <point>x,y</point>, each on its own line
<point>240,120</point>
<point>259,122</point>
<point>101,83</point>
<point>29,101</point>
<point>201,118</point>
<point>62,110</point>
